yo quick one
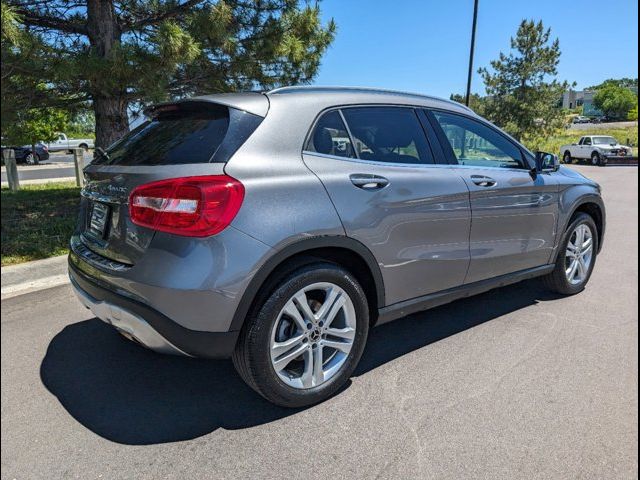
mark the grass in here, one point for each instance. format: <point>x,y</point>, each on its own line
<point>37,221</point>
<point>553,144</point>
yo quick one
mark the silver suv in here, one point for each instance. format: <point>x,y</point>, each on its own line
<point>277,228</point>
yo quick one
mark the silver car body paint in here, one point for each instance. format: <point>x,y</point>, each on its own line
<point>429,230</point>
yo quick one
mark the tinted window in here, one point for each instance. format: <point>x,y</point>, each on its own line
<point>330,136</point>
<point>476,144</point>
<point>587,141</point>
<point>175,136</point>
<point>388,134</point>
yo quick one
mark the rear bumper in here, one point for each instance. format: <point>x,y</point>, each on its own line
<point>148,326</point>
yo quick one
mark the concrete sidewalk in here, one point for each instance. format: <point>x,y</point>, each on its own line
<point>33,276</point>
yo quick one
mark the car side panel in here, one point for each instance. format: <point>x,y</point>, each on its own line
<point>573,193</point>
<point>417,226</point>
<point>284,201</point>
<point>513,224</point>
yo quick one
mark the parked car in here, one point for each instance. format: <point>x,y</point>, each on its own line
<point>596,148</point>
<point>64,144</point>
<point>277,228</point>
<point>25,154</point>
<point>581,119</point>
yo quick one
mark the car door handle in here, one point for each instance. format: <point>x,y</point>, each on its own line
<point>367,181</point>
<point>483,181</point>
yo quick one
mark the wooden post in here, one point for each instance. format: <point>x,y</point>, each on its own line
<point>9,157</point>
<point>78,160</point>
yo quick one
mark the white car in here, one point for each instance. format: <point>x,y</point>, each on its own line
<point>596,148</point>
<point>65,144</point>
<point>581,119</point>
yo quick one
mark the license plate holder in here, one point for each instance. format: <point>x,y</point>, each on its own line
<point>98,219</point>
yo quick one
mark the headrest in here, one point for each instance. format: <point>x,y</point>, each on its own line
<point>322,141</point>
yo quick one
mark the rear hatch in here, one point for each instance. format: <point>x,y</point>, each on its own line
<point>185,139</point>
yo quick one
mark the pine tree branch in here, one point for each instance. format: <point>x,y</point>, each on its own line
<point>29,17</point>
<point>154,19</point>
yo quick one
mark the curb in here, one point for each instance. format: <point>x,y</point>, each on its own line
<point>33,276</point>
<point>40,181</point>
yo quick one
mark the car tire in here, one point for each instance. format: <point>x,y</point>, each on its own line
<point>595,159</point>
<point>256,358</point>
<point>84,146</point>
<point>559,280</point>
<point>32,159</point>
<point>566,158</point>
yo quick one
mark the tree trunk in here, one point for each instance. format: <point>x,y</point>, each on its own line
<point>109,102</point>
<point>112,120</point>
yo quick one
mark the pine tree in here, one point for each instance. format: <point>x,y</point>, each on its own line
<point>523,96</point>
<point>117,55</point>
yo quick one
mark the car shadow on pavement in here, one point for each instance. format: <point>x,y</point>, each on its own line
<point>130,395</point>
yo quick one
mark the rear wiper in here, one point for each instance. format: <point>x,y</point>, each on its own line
<point>102,154</point>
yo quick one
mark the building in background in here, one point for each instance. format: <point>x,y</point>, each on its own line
<point>584,98</point>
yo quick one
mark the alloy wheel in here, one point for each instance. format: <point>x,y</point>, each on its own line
<point>579,254</point>
<point>313,335</point>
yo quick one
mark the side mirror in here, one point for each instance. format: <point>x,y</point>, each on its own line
<point>547,162</point>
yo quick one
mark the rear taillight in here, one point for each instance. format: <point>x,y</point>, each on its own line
<point>190,206</point>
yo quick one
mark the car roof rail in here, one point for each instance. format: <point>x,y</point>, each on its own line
<point>373,90</point>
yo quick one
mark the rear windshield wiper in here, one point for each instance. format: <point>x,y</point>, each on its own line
<point>102,153</point>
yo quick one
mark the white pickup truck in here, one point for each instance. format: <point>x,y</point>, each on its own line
<point>596,148</point>
<point>64,144</point>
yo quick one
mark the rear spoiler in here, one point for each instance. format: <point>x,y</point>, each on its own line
<point>251,102</point>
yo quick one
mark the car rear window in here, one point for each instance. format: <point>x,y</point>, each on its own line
<point>182,134</point>
<point>388,134</point>
<point>330,137</point>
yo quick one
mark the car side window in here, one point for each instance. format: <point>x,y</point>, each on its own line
<point>388,134</point>
<point>478,145</point>
<point>330,137</point>
<point>587,141</point>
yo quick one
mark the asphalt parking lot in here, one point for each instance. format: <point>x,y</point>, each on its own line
<point>515,383</point>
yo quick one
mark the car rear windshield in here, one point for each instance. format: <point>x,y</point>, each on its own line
<point>182,134</point>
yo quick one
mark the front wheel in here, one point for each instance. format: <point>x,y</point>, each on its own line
<point>32,159</point>
<point>305,340</point>
<point>576,258</point>
<point>595,159</point>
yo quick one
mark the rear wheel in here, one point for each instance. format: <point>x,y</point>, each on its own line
<point>567,157</point>
<point>84,146</point>
<point>595,159</point>
<point>303,343</point>
<point>576,258</point>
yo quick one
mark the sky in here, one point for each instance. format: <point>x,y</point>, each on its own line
<point>422,46</point>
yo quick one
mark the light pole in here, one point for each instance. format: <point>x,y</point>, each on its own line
<point>473,43</point>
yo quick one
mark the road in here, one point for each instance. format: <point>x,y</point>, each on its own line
<point>515,383</point>
<point>58,166</point>
<point>603,126</point>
